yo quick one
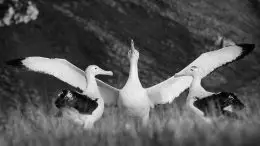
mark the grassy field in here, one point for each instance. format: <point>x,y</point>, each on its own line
<point>169,34</point>
<point>25,121</point>
<point>170,126</point>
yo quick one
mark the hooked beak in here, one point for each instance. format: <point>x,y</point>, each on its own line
<point>104,72</point>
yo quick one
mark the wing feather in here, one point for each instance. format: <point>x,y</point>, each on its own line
<point>66,72</point>
<point>168,90</point>
<point>209,61</point>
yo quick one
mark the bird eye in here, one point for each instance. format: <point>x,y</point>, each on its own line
<point>193,68</point>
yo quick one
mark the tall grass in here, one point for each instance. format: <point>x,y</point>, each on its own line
<point>25,119</point>
<point>33,126</point>
<point>30,122</point>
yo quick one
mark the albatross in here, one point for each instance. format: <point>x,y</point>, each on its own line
<point>132,97</point>
<point>201,101</point>
<point>93,106</point>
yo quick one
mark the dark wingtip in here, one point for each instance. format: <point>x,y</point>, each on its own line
<point>246,49</point>
<point>79,90</point>
<point>16,63</point>
<point>62,93</point>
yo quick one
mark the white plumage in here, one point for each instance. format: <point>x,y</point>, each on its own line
<point>205,64</point>
<point>209,61</point>
<point>136,99</point>
<point>70,74</point>
<point>66,72</point>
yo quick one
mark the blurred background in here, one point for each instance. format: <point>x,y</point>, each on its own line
<point>168,33</point>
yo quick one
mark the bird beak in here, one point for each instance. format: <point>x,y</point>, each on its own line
<point>104,72</point>
<point>179,75</point>
<point>133,46</point>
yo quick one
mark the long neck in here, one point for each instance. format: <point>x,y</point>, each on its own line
<point>196,90</point>
<point>133,74</point>
<point>91,83</point>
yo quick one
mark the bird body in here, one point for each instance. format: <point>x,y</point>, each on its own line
<point>82,103</point>
<point>199,100</point>
<point>80,108</point>
<point>208,104</point>
<point>133,97</point>
<point>91,101</point>
<point>217,104</point>
<point>68,73</point>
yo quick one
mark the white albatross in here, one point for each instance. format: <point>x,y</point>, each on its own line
<point>136,99</point>
<point>199,100</point>
<point>94,103</point>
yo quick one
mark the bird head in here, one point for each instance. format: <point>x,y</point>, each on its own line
<point>95,70</point>
<point>192,71</point>
<point>133,53</point>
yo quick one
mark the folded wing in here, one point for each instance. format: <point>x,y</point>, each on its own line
<point>66,72</point>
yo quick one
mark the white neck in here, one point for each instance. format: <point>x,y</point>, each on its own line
<point>196,90</point>
<point>133,74</point>
<point>92,84</point>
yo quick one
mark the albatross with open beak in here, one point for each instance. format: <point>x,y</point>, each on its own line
<point>133,97</point>
<point>137,100</point>
<point>136,104</point>
<point>201,101</point>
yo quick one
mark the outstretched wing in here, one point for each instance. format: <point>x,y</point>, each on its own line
<point>168,90</point>
<point>209,61</point>
<point>65,71</point>
<point>108,93</point>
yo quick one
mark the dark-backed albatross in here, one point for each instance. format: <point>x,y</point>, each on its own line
<point>133,97</point>
<point>136,99</point>
<point>70,74</point>
<point>201,101</point>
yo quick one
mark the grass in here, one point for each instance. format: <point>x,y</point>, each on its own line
<point>27,119</point>
<point>170,125</point>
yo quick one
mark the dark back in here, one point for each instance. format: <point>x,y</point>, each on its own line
<point>82,103</point>
<point>215,104</point>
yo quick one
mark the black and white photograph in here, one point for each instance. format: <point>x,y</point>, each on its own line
<point>129,72</point>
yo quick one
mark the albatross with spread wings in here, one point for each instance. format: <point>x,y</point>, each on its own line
<point>93,107</point>
<point>133,97</point>
<point>136,99</point>
<point>204,103</point>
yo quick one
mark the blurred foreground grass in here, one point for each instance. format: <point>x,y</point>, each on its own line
<point>188,28</point>
<point>26,120</point>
